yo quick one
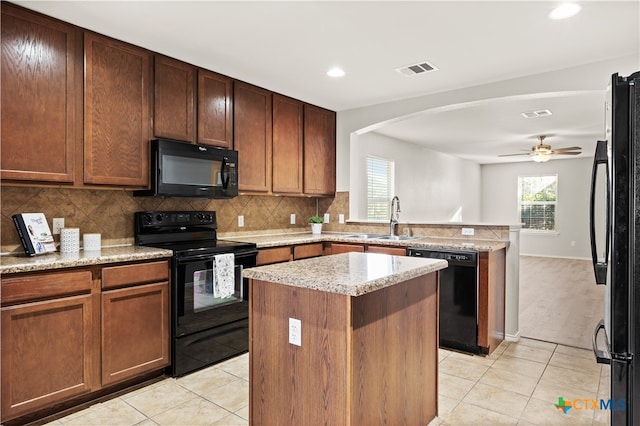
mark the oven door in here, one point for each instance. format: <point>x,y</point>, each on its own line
<point>196,307</point>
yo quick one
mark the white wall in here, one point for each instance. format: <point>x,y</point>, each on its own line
<point>500,204</point>
<point>594,76</point>
<point>431,186</point>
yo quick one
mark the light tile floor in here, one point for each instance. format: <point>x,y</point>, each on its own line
<point>516,385</point>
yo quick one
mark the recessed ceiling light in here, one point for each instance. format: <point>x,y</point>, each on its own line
<point>565,10</point>
<point>335,72</point>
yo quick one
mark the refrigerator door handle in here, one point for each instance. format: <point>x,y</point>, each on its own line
<point>599,268</point>
<point>602,357</point>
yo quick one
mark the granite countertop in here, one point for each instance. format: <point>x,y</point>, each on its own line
<point>352,274</point>
<point>276,240</point>
<point>10,264</point>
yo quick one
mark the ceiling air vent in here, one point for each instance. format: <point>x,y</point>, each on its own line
<point>539,113</point>
<point>415,69</point>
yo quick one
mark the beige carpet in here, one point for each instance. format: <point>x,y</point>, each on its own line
<point>559,300</point>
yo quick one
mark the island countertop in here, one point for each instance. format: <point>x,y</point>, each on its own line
<point>352,274</point>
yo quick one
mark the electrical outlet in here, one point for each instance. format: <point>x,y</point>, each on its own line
<point>341,218</point>
<point>240,221</point>
<point>295,331</point>
<point>292,220</point>
<point>326,218</point>
<point>58,224</point>
<point>468,231</point>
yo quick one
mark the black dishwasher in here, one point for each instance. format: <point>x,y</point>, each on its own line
<point>458,292</point>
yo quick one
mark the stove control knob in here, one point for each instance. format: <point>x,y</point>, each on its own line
<point>147,218</point>
<point>200,216</point>
<point>159,217</point>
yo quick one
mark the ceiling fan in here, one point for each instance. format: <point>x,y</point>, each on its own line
<point>542,152</point>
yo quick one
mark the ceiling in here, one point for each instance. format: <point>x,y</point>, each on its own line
<point>287,47</point>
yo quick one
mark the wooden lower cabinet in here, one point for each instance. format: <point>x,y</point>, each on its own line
<point>135,331</point>
<point>305,251</point>
<point>65,340</point>
<point>491,299</point>
<point>47,353</point>
<point>395,251</point>
<point>270,255</point>
<point>337,248</point>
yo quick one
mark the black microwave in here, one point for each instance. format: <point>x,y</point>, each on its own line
<point>182,169</point>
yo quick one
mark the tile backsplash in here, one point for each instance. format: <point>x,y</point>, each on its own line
<point>110,212</point>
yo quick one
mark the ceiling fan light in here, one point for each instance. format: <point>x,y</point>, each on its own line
<point>541,157</point>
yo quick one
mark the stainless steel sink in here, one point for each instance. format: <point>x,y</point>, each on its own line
<point>382,237</point>
<point>397,237</point>
<point>367,236</point>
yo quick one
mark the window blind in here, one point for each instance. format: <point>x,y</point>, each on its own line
<point>379,187</point>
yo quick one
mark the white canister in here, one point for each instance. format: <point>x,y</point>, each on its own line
<point>69,240</point>
<point>91,242</point>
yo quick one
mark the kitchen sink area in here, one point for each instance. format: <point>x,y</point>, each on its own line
<point>383,237</point>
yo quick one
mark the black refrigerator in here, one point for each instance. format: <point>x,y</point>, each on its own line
<point>615,246</point>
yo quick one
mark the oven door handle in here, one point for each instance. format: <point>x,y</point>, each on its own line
<point>238,255</point>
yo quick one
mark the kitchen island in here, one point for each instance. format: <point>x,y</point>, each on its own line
<point>344,339</point>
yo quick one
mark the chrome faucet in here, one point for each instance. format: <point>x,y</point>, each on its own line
<point>395,210</point>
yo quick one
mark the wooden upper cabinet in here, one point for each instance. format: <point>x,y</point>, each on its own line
<point>253,136</point>
<point>174,99</point>
<point>41,111</point>
<point>116,112</point>
<point>215,109</point>
<point>319,151</point>
<point>287,145</point>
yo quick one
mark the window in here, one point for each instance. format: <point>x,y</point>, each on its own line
<point>379,187</point>
<point>537,199</point>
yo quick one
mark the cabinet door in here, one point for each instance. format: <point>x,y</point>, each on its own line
<point>135,331</point>
<point>319,151</point>
<point>174,99</point>
<point>46,354</point>
<point>41,96</point>
<point>215,106</point>
<point>287,145</point>
<point>252,136</point>
<point>116,122</point>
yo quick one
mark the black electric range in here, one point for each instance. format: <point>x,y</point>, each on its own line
<point>205,327</point>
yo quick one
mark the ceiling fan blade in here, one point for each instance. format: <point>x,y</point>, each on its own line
<point>571,148</point>
<point>511,155</point>
<point>554,152</point>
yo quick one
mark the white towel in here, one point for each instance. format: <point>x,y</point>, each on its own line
<point>225,281</point>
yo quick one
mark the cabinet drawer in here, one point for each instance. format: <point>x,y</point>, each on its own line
<point>307,250</point>
<point>137,273</point>
<point>396,251</point>
<point>274,255</point>
<point>337,248</point>
<point>41,286</point>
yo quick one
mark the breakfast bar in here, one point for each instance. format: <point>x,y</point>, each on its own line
<point>344,339</point>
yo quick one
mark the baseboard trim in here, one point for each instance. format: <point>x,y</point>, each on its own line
<point>512,337</point>
<point>555,257</point>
